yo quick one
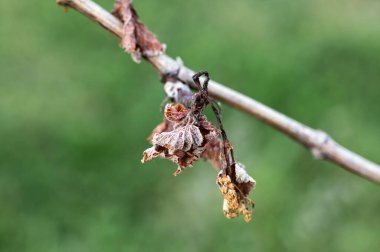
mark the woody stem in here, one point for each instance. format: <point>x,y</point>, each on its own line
<point>321,145</point>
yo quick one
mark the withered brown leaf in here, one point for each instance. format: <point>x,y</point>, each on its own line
<point>236,188</point>
<point>137,39</point>
<point>181,138</point>
<point>244,182</point>
<point>185,135</point>
<point>213,154</point>
<point>235,201</point>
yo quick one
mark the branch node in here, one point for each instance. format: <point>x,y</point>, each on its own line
<point>322,139</point>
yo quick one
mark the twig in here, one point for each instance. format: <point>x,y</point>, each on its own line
<point>318,142</point>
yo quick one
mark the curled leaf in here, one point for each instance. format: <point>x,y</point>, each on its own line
<point>175,113</point>
<point>186,135</point>
<point>234,187</point>
<point>184,141</point>
<point>162,127</point>
<point>137,39</point>
<point>214,155</point>
<point>234,204</point>
<point>244,182</point>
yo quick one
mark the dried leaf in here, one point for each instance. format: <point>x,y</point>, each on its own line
<point>184,141</point>
<point>214,155</point>
<point>186,135</point>
<point>244,182</point>
<point>137,39</point>
<point>162,127</point>
<point>235,191</point>
<point>234,204</point>
<point>175,113</point>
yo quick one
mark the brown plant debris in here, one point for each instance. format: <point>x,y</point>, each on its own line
<point>186,135</point>
<point>234,203</point>
<point>180,138</point>
<point>213,154</point>
<point>137,39</point>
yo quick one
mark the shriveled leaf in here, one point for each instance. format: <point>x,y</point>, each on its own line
<point>184,141</point>
<point>186,135</point>
<point>175,113</point>
<point>244,182</point>
<point>233,204</point>
<point>162,127</point>
<point>213,154</point>
<point>151,153</point>
<point>235,189</point>
<point>137,39</point>
<point>183,138</point>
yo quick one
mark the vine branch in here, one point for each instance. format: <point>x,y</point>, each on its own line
<point>321,145</point>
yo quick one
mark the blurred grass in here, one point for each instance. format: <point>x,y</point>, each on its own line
<point>75,112</point>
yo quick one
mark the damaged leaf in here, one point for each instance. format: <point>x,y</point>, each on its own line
<point>234,203</point>
<point>244,182</point>
<point>186,135</point>
<point>184,141</point>
<point>213,154</point>
<point>137,39</point>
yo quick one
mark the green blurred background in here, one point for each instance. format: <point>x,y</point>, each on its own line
<point>75,112</point>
